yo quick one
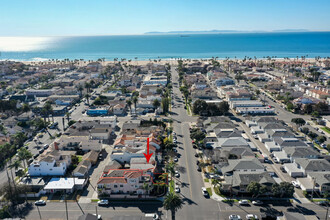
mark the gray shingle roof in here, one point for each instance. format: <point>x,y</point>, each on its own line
<point>313,164</point>
<point>300,152</point>
<point>242,164</point>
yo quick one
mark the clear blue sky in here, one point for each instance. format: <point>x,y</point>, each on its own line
<point>107,17</point>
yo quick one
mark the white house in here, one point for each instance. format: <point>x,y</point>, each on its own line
<point>53,164</point>
<point>64,184</point>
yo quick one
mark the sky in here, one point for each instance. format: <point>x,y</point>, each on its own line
<point>121,17</point>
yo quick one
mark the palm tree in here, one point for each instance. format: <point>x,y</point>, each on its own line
<point>19,139</point>
<point>156,103</point>
<point>87,96</point>
<point>8,178</point>
<point>88,86</point>
<point>24,155</point>
<point>129,103</point>
<point>135,100</point>
<point>147,187</point>
<point>170,167</point>
<point>67,116</point>
<point>80,89</point>
<point>15,165</point>
<point>172,202</point>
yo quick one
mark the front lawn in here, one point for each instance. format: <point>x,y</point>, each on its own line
<point>326,129</point>
<point>209,190</point>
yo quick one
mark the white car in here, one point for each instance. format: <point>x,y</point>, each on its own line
<point>234,217</point>
<point>103,202</point>
<point>257,202</point>
<point>40,202</point>
<point>295,184</point>
<point>175,159</point>
<point>99,217</point>
<point>177,189</point>
<point>177,174</point>
<point>243,202</point>
<point>251,216</point>
<point>204,191</point>
<point>152,215</point>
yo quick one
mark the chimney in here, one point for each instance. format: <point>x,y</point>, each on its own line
<point>55,145</point>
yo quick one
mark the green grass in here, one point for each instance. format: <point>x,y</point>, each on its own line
<point>318,200</point>
<point>95,200</point>
<point>326,129</point>
<point>209,190</point>
<point>206,180</point>
<point>79,158</point>
<point>172,185</point>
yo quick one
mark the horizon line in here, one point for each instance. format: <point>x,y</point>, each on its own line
<point>178,33</point>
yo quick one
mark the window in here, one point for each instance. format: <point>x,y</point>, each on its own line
<point>115,186</point>
<point>121,185</point>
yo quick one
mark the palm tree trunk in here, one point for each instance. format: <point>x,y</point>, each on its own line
<point>173,214</point>
<point>10,192</point>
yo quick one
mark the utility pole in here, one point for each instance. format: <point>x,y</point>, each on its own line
<point>66,206</point>
<point>39,212</point>
<point>313,179</point>
<point>96,211</point>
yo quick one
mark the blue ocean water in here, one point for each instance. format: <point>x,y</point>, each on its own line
<point>168,46</point>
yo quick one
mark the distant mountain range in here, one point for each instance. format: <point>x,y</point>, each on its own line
<point>224,31</point>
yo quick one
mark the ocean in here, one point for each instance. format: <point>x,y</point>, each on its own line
<point>144,47</point>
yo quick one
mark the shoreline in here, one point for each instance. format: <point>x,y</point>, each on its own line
<point>171,61</point>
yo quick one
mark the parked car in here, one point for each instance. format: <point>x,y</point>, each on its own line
<point>175,159</point>
<point>199,169</point>
<point>295,184</point>
<point>234,217</point>
<point>257,202</point>
<point>177,189</point>
<point>46,146</point>
<point>251,216</point>
<point>323,203</point>
<point>282,169</point>
<point>177,174</point>
<point>103,202</point>
<point>152,215</point>
<point>40,202</point>
<point>243,202</point>
<point>99,217</point>
<point>204,191</point>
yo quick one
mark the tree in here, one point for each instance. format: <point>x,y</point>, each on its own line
<point>170,168</point>
<point>284,189</point>
<point>24,155</point>
<point>312,135</point>
<point>156,103</point>
<point>315,114</point>
<point>199,106</point>
<point>224,107</point>
<point>305,130</point>
<point>135,100</point>
<point>172,202</point>
<point>254,188</point>
<point>87,96</point>
<point>80,89</point>
<point>298,121</point>
<point>165,105</point>
<point>322,107</point>
<point>19,139</point>
<point>25,108</point>
<point>289,106</point>
<point>129,103</point>
<point>258,92</point>
<point>321,139</point>
<point>67,116</point>
<point>308,108</point>
<point>147,187</point>
<point>198,135</point>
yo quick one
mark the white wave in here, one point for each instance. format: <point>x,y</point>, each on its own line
<point>17,44</point>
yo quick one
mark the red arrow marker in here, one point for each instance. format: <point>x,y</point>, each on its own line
<point>147,155</point>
